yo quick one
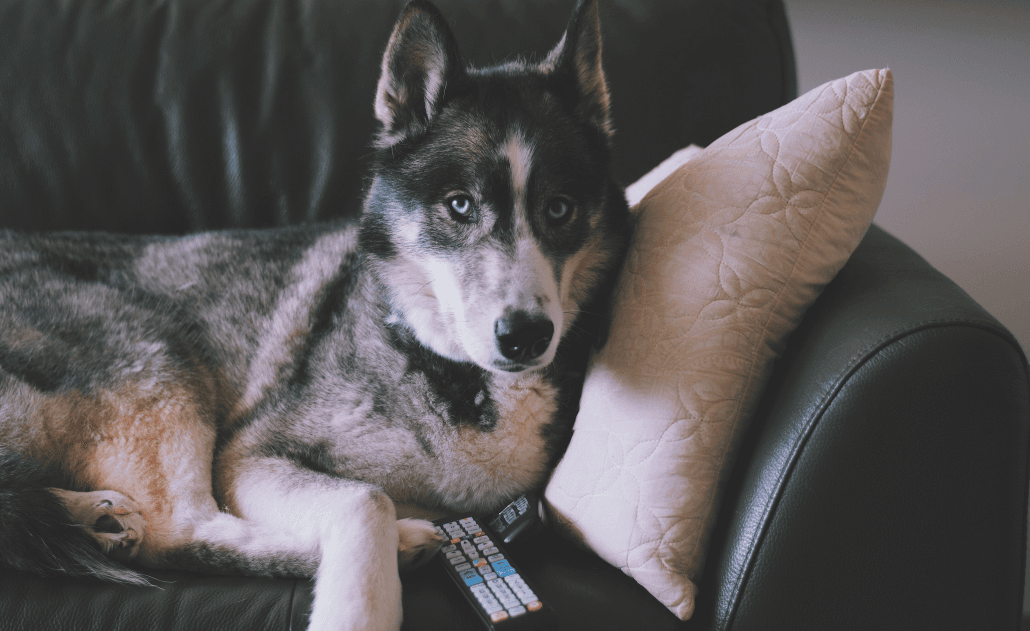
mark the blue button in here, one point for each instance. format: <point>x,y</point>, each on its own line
<point>503,568</point>
<point>471,577</point>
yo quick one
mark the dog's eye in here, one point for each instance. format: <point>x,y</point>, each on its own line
<point>460,207</point>
<point>559,211</point>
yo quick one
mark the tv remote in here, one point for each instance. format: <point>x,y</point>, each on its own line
<point>519,519</point>
<point>483,570</point>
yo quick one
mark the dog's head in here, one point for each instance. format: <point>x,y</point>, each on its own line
<point>492,219</point>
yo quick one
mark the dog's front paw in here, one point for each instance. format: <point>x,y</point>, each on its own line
<point>112,519</point>
<point>419,540</point>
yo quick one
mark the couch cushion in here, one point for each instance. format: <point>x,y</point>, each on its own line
<point>729,252</point>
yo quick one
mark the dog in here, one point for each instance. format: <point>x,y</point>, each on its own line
<point>301,402</point>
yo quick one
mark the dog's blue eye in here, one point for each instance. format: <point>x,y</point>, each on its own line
<point>559,211</point>
<point>460,206</point>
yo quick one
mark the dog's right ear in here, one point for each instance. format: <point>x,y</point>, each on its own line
<point>578,56</point>
<point>420,59</point>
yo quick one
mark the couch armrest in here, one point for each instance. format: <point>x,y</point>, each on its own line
<point>883,483</point>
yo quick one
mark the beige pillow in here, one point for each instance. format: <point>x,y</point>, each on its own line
<point>729,251</point>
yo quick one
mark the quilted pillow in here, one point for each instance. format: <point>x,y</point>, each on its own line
<point>728,253</point>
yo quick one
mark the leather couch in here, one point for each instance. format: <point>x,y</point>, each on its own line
<point>883,482</point>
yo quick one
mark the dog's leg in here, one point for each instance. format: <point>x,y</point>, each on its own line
<point>357,586</point>
<point>418,540</point>
<point>295,520</point>
<point>112,519</point>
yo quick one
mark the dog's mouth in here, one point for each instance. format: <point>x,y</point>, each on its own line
<point>513,367</point>
<point>516,368</point>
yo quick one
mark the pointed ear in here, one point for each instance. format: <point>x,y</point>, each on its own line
<point>578,56</point>
<point>421,57</point>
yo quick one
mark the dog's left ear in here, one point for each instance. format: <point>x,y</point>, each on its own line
<point>578,55</point>
<point>420,59</point>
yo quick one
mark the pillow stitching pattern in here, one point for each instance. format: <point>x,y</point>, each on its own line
<point>734,287</point>
<point>710,504</point>
<point>772,499</point>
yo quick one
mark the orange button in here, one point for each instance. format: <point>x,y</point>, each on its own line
<point>498,616</point>
<point>456,540</point>
<point>533,606</point>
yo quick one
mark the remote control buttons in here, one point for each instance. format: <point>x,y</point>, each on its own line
<point>485,598</point>
<point>453,529</point>
<point>503,568</point>
<point>499,590</point>
<point>471,577</point>
<point>521,590</point>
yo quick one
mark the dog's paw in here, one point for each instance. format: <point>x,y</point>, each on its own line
<point>112,519</point>
<point>419,540</point>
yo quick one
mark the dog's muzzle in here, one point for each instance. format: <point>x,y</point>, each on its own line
<point>522,336</point>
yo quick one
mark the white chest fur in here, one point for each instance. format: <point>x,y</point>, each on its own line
<point>477,468</point>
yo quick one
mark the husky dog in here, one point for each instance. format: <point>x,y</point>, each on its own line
<point>299,402</point>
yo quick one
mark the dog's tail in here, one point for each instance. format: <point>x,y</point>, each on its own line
<point>37,536</point>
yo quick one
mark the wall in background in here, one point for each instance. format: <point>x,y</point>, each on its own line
<point>959,185</point>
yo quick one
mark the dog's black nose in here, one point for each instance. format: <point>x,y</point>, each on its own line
<point>522,336</point>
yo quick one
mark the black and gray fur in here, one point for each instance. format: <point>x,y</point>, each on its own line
<point>255,402</point>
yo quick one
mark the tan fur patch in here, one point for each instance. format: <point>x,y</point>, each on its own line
<point>581,273</point>
<point>152,443</point>
<point>512,456</point>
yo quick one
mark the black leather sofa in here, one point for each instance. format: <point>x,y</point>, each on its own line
<point>883,483</point>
